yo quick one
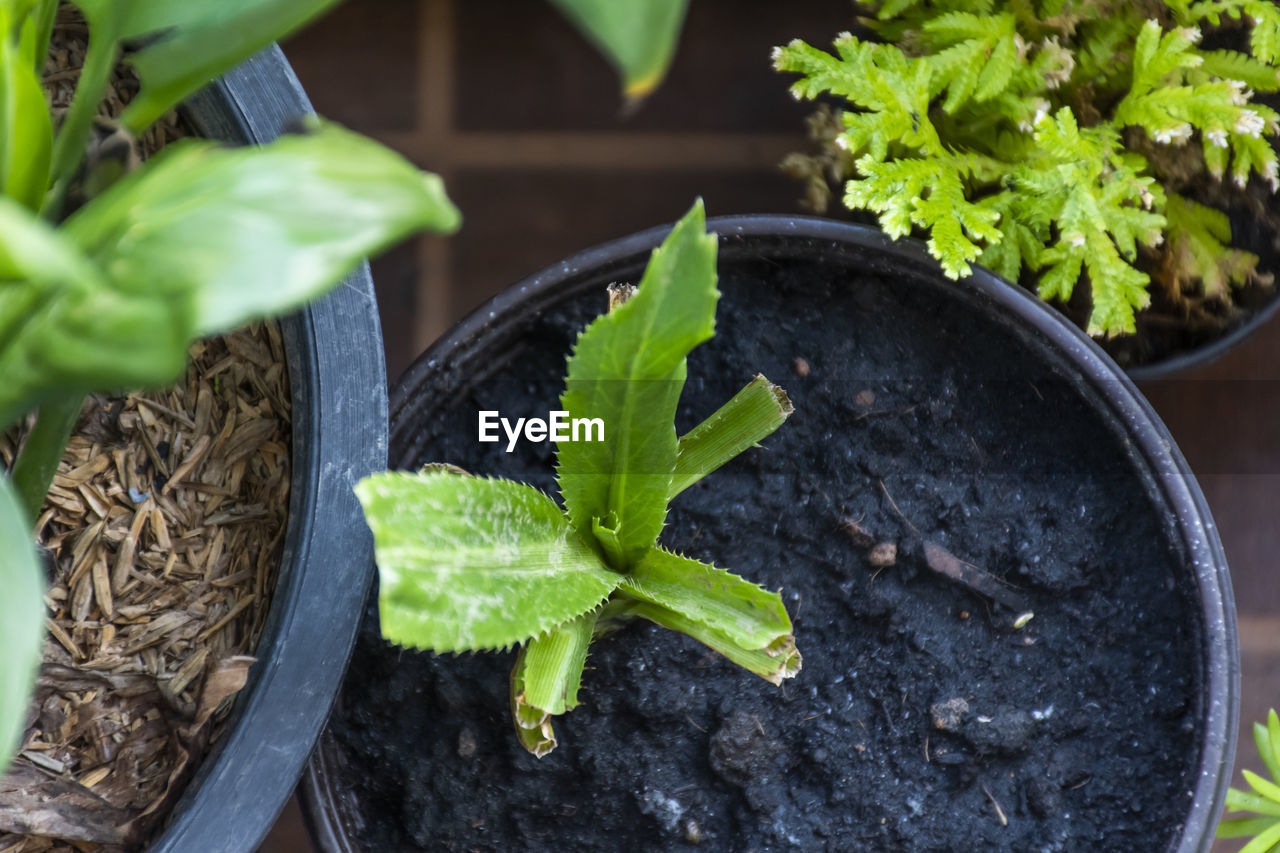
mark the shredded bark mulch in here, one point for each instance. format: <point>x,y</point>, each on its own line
<point>163,529</point>
<point>162,533</point>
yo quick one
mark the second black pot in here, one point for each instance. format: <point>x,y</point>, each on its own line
<point>886,362</point>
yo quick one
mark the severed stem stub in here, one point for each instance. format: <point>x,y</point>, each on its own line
<point>619,293</point>
<point>977,579</point>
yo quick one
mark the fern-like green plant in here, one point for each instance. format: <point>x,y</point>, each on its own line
<point>1264,798</point>
<point>470,563</point>
<point>1055,137</point>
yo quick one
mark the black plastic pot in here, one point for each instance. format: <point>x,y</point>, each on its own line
<point>336,367</point>
<point>1069,355</point>
<point>1176,365</point>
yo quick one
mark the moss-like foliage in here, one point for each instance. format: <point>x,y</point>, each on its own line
<point>1055,137</point>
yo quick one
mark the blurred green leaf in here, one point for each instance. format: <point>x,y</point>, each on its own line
<point>65,328</point>
<point>21,620</point>
<point>192,42</point>
<point>200,240</point>
<point>26,131</point>
<point>637,36</point>
<point>251,232</point>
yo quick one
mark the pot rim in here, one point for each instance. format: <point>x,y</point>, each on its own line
<point>1184,362</point>
<point>338,381</point>
<point>1109,384</point>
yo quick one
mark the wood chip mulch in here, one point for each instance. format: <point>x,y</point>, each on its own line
<point>163,527</point>
<point>163,531</point>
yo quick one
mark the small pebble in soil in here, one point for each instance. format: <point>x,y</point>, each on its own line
<point>866,397</point>
<point>801,367</point>
<point>1005,733</point>
<point>856,533</point>
<point>948,715</point>
<point>883,555</point>
<point>466,744</point>
<point>692,832</point>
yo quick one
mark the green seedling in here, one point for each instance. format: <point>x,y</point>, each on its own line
<point>471,563</point>
<point>1264,798</point>
<point>1059,139</point>
<point>108,275</point>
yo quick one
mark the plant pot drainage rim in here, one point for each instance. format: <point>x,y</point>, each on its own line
<point>338,380</point>
<point>1011,307</point>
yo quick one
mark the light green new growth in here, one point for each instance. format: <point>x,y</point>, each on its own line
<point>1263,800</point>
<point>469,563</point>
<point>1055,139</point>
<point>107,278</point>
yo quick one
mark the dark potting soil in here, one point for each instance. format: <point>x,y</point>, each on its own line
<point>923,719</point>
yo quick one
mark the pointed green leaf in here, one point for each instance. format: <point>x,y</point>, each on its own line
<point>637,36</point>
<point>1267,789</point>
<point>1262,741</point>
<point>628,368</point>
<point>471,563</point>
<point>739,619</point>
<point>262,230</point>
<point>191,43</point>
<point>753,414</point>
<point>21,620</point>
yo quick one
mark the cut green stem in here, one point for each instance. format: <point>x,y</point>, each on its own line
<point>753,413</point>
<point>38,462</point>
<point>744,622</point>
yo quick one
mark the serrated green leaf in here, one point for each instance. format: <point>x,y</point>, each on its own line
<point>628,368</point>
<point>21,620</point>
<point>1233,65</point>
<point>752,415</point>
<point>637,36</point>
<point>1199,249</point>
<point>718,608</point>
<point>262,230</point>
<point>1264,38</point>
<point>470,563</point>
<point>998,70</point>
<point>26,131</point>
<point>191,42</point>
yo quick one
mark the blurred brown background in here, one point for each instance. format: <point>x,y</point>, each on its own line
<point>523,120</point>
